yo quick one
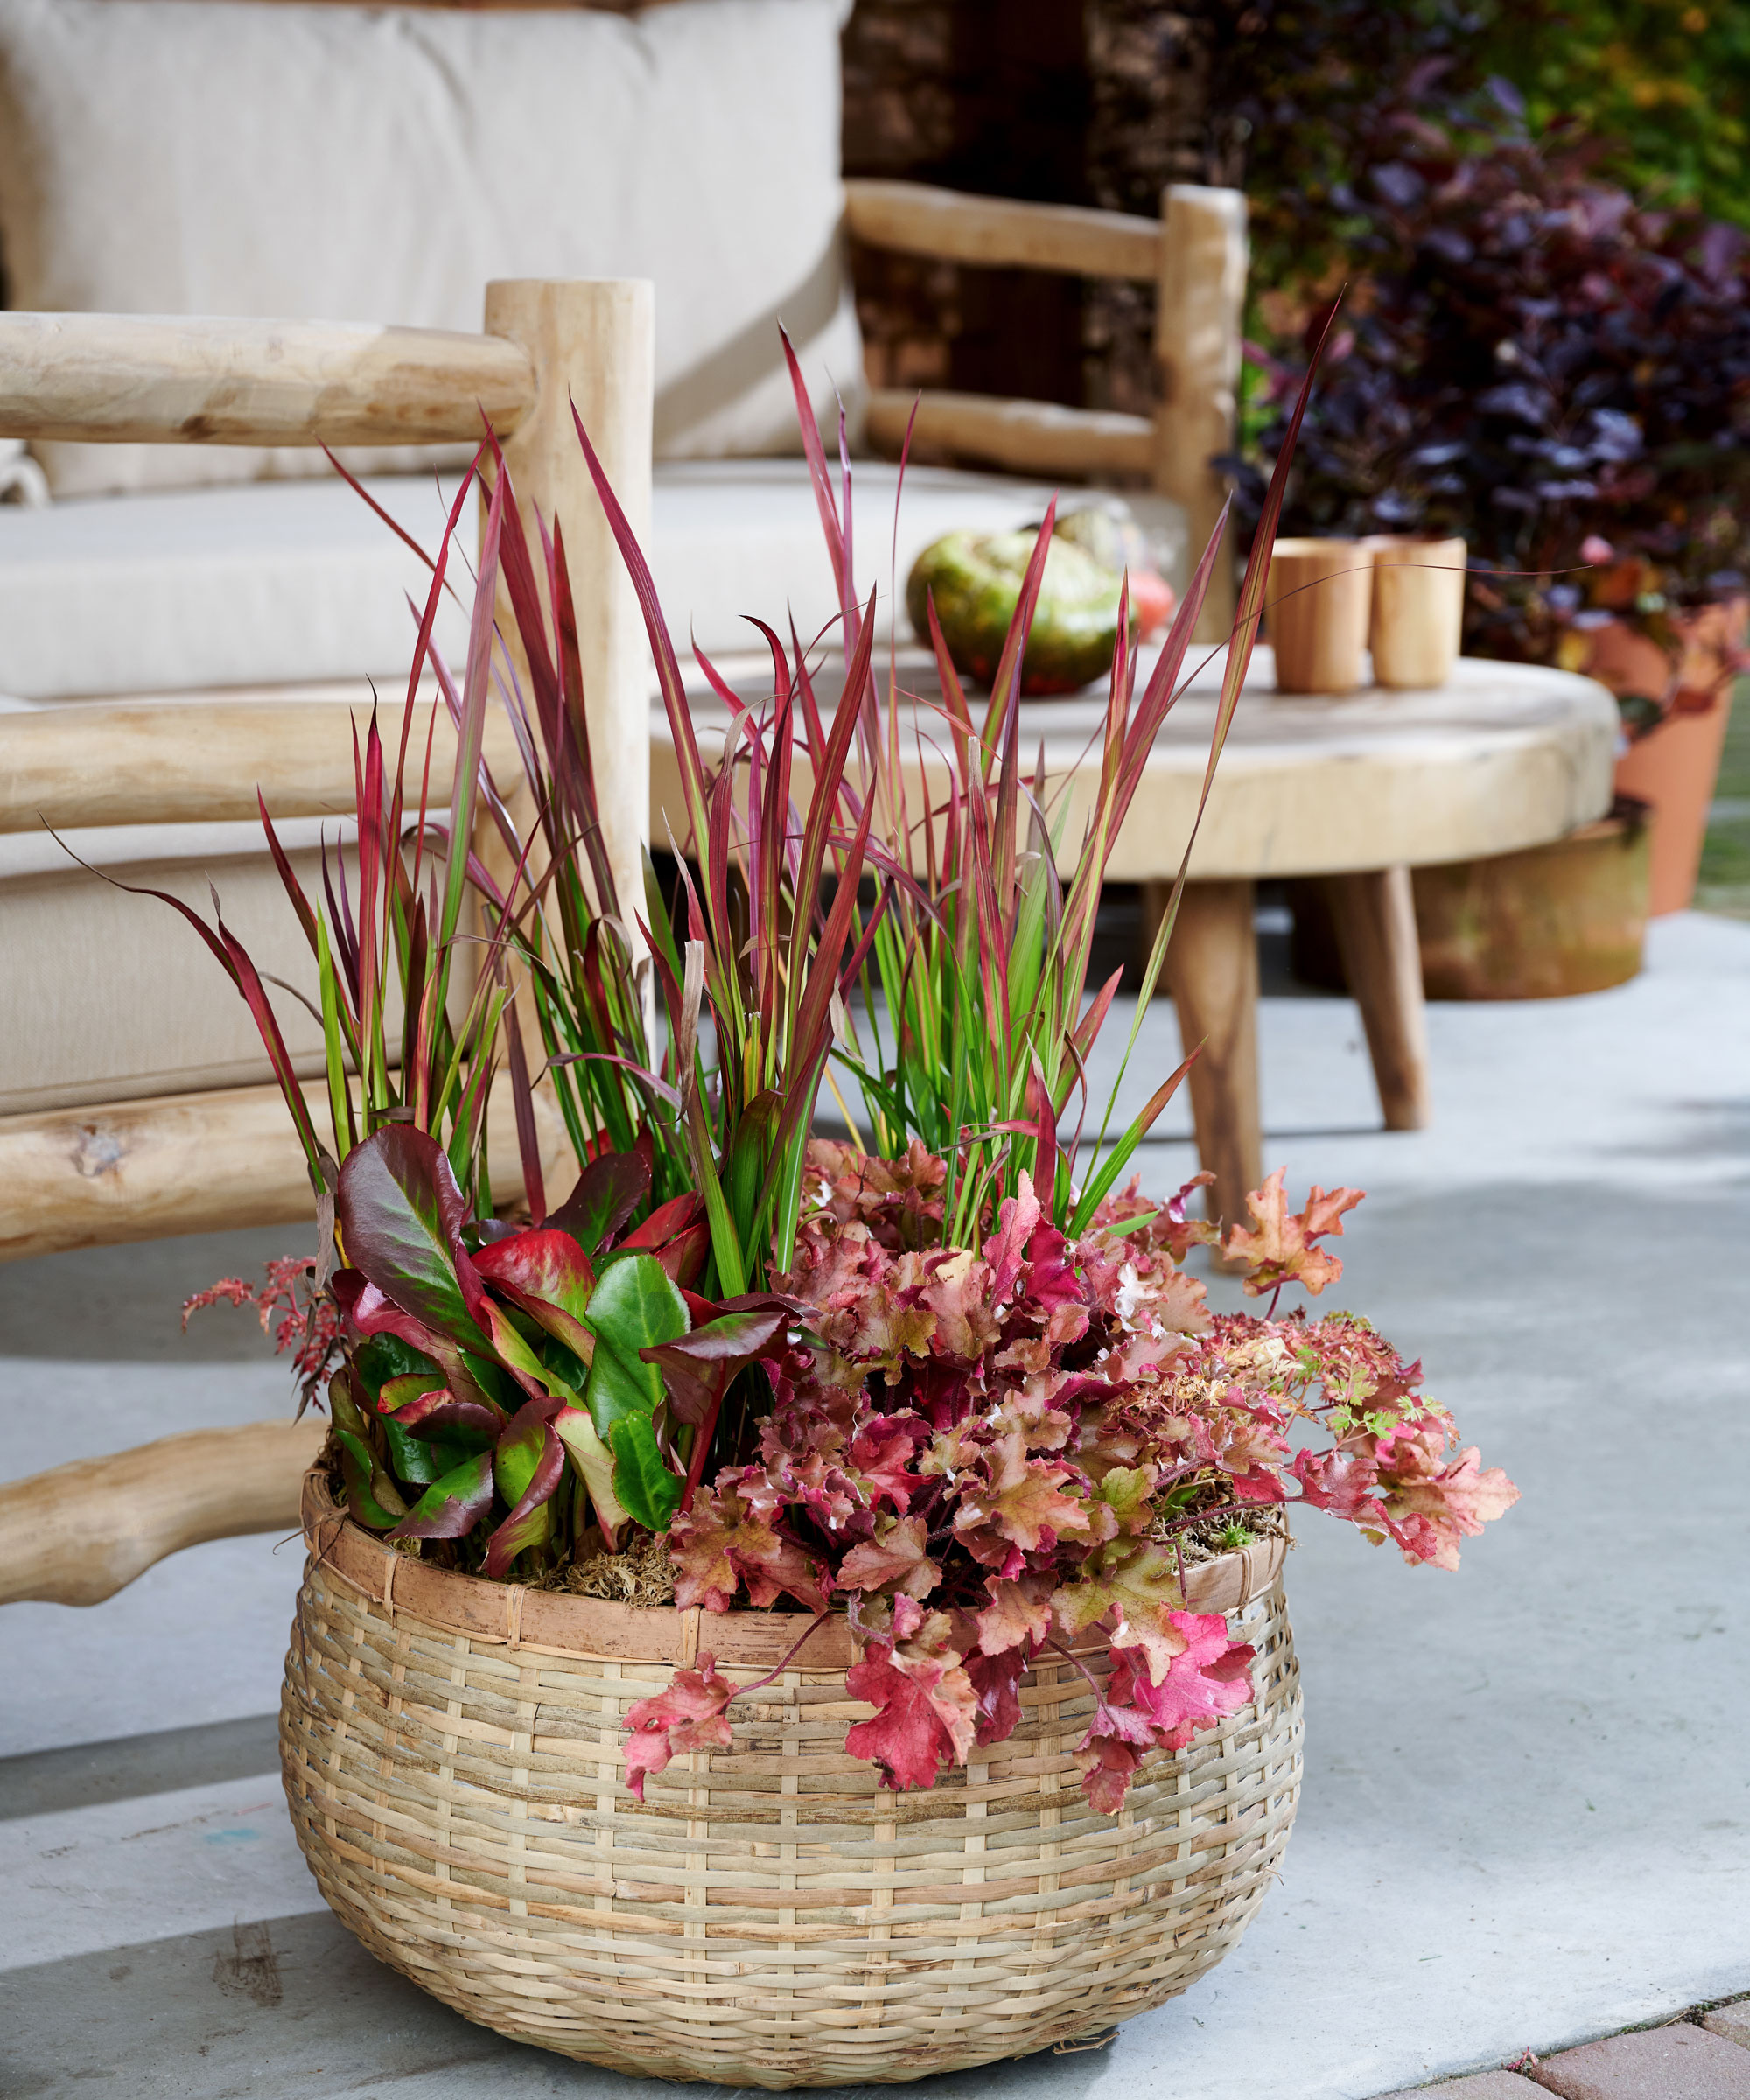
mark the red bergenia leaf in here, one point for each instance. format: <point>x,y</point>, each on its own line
<point>689,1715</point>
<point>928,1706</point>
<point>610,1188</point>
<point>1280,1249</point>
<point>548,1274</point>
<point>897,1557</point>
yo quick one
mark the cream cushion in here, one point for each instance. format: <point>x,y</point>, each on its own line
<point>280,583</point>
<point>345,162</point>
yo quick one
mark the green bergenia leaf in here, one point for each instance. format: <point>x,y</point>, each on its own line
<point>650,1493</point>
<point>526,1469</point>
<point>419,1460</point>
<point>635,1307</point>
<point>453,1504</point>
<point>386,1356</point>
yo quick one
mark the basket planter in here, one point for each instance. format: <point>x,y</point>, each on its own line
<point>770,1915</point>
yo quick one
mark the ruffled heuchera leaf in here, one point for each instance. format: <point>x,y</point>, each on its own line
<point>1280,1247</point>
<point>1137,1582</point>
<point>928,1706</point>
<point>689,1715</point>
<point>1018,1613</point>
<point>897,1557</point>
<point>996,1680</point>
<point>723,1541</point>
<point>882,1451</point>
<point>1209,1678</point>
<point>1019,1508</point>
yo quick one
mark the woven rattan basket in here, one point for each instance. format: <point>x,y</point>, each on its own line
<point>769,1916</point>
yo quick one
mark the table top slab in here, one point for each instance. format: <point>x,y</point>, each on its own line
<point>1503,757</point>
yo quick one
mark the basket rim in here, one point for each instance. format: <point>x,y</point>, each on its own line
<point>556,1621</point>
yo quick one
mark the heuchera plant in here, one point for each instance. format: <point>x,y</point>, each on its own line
<point>949,1384</point>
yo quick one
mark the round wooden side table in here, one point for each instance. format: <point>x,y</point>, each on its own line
<point>1357,788</point>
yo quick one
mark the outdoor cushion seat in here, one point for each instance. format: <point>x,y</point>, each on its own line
<point>273,583</point>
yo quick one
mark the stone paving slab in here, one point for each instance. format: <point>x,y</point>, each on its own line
<point>1487,2085</point>
<point>1731,2021</point>
<point>1680,2062</point>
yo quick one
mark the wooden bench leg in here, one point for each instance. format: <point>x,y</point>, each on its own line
<point>1374,916</point>
<point>1212,972</point>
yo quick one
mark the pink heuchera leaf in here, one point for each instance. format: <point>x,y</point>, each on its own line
<point>882,1451</point>
<point>1019,1613</point>
<point>1020,1510</point>
<point>1007,1250</point>
<point>724,1541</point>
<point>1209,1679</point>
<point>928,1706</point>
<point>689,1715</point>
<point>1280,1249</point>
<point>996,1680</point>
<point>897,1557</point>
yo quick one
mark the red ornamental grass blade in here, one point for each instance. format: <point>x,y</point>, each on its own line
<point>661,647</point>
<point>1006,688</point>
<point>837,547</point>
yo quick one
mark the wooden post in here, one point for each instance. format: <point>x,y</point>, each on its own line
<point>592,343</point>
<point>1212,972</point>
<point>1199,317</point>
<point>1374,916</point>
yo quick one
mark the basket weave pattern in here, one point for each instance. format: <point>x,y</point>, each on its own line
<point>770,1915</point>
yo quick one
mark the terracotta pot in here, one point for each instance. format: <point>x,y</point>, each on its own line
<point>1544,924</point>
<point>1674,767</point>
<point>1547,923</point>
<point>1317,603</point>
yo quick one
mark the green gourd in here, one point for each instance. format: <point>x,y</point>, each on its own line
<point>976,580</point>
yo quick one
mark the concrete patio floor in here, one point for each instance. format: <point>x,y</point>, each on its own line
<point>1526,1819</point>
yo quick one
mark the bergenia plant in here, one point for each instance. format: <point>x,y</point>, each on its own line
<point>950,1380</point>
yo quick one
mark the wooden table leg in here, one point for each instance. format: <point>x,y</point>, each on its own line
<point>1375,922</point>
<point>1212,972</point>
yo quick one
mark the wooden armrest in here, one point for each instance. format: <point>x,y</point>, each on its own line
<point>914,219</point>
<point>1026,436</point>
<point>83,1532</point>
<point>201,761</point>
<point>139,379</point>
